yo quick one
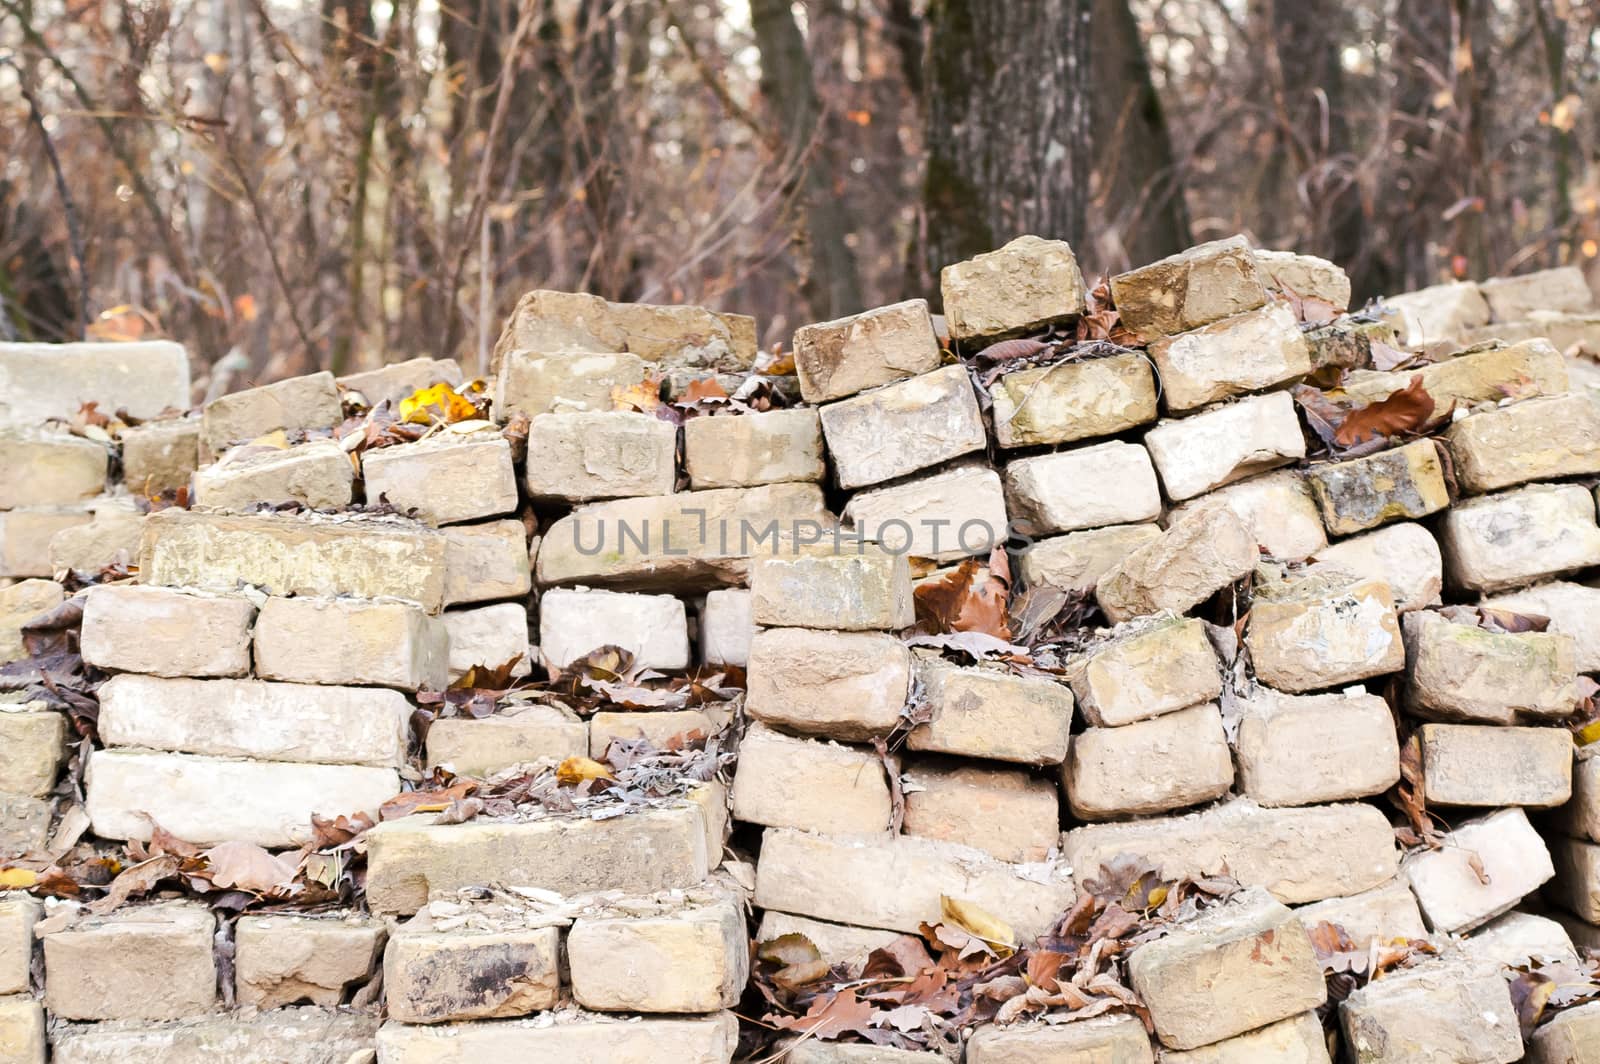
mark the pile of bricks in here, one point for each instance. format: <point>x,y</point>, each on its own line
<point>264,664</point>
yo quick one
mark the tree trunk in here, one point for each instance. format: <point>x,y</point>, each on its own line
<point>1008,143</point>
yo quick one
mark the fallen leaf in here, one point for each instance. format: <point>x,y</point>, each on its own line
<point>439,403</point>
<point>577,769</point>
<point>1404,411</point>
<point>246,866</point>
<point>643,397</point>
<point>974,920</point>
<point>703,388</point>
<point>17,878</point>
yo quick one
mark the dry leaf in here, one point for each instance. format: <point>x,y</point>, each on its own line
<point>17,878</point>
<point>972,919</point>
<point>440,403</point>
<point>1406,410</point>
<point>246,866</point>
<point>577,769</point>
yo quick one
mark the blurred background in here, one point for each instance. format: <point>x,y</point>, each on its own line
<point>288,187</point>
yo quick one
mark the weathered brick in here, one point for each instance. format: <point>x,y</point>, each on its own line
<point>1345,343</point>
<point>1581,815</point>
<point>1305,276</point>
<point>49,469</point>
<point>726,627</point>
<point>1198,555</point>
<point>22,1037</point>
<point>1572,609</point>
<point>1017,289</point>
<point>573,322</point>
<point>1405,556</point>
<point>1404,483</point>
<point>903,427</point>
<point>110,537</point>
<point>1572,1036</point>
<point>446,479</point>
<point>1462,672</point>
<point>1074,400</point>
<point>695,959</point>
<point>146,962</point>
<point>946,516</point>
<point>604,454</point>
<point>1514,298</point>
<point>1294,1041</point>
<point>784,782</point>
<point>1006,813</point>
<point>1297,750</point>
<point>1473,764</point>
<point>847,685</point>
<point>397,380</point>
<point>1226,443</point>
<point>1438,312</point>
<point>1234,356</point>
<point>25,537</point>
<point>1520,371</point>
<point>19,604</point>
<point>160,455</point>
<point>1077,560</point>
<point>41,381</point>
<point>349,641</point>
<point>1439,1010</point>
<point>1485,867</point>
<point>653,628</point>
<point>834,359</point>
<point>484,746</point>
<point>1321,631</point>
<point>657,728</point>
<point>241,1038</point>
<point>436,975</point>
<point>33,743</point>
<point>18,913</point>
<point>487,561</point>
<point>316,473</point>
<point>489,636</point>
<point>1576,886</point>
<point>24,824</point>
<point>1182,758</point>
<point>1190,289</point>
<point>1537,439</point>
<point>586,1040</point>
<point>1277,509</point>
<point>1106,484</point>
<point>837,943</point>
<point>530,383</point>
<point>1385,912</point>
<point>752,449</point>
<point>811,1051</point>
<point>1145,669</point>
<point>283,958</point>
<point>1113,1038</point>
<point>992,713</point>
<point>859,586</point>
<point>1516,938</point>
<point>166,632</point>
<point>294,405</point>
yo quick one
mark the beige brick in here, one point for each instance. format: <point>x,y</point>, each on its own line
<point>752,449</point>
<point>1198,555</point>
<point>566,322</point>
<point>837,943</point>
<point>1538,439</point>
<point>19,604</point>
<point>1572,1036</point>
<point>1075,400</point>
<point>1321,631</point>
<point>25,539</point>
<point>489,636</point>
<point>529,383</point>
<point>316,473</point>
<point>397,380</point>
<point>1145,669</point>
<point>1461,672</point>
<point>1516,938</point>
<point>896,882</point>
<point>1362,493</point>
<point>657,728</point>
<point>282,958</point>
<point>164,631</point>
<point>1297,750</point>
<point>1440,1010</point>
<point>1405,556</point>
<point>992,713</point>
<point>1439,312</point>
<point>692,540</point>
<point>573,622</point>
<point>1076,561</point>
<point>33,743</point>
<point>487,561</point>
<point>22,1037</point>
<point>261,1038</point>
<point>1190,289</point>
<point>1226,443</point>
<point>1006,813</point>
<point>726,627</point>
<point>1385,912</point>
<point>447,479</point>
<point>1454,896</point>
<point>1020,288</point>
<point>349,641</point>
<point>947,516</point>
<point>903,427</point>
<point>207,800</point>
<point>846,685</point>
<point>365,558</point>
<point>1183,759</point>
<point>1300,855</point>
<point>1234,356</point>
<point>1117,1039</point>
<point>18,913</point>
<point>256,719</point>
<point>1514,298</point>
<point>586,1040</point>
<point>1086,487</point>
<point>484,746</point>
<point>1520,371</point>
<point>604,454</point>
<point>160,455</point>
<point>1576,886</point>
<point>852,587</point>
<point>693,960</point>
<point>1232,969</point>
<point>839,358</point>
<point>658,848</point>
<point>1346,342</point>
<point>1294,1041</point>
<point>1581,816</point>
<point>1572,609</point>
<point>145,962</point>
<point>1277,509</point>
<point>811,1051</point>
<point>24,824</point>
<point>1305,276</point>
<point>433,974</point>
<point>110,536</point>
<point>42,381</point>
<point>294,405</point>
<point>1473,764</point>
<point>784,782</point>
<point>49,469</point>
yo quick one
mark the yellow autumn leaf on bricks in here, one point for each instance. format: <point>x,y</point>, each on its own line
<point>578,769</point>
<point>979,924</point>
<point>643,397</point>
<point>438,402</point>
<point>277,439</point>
<point>17,878</point>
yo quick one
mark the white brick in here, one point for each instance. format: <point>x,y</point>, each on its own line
<point>785,782</point>
<point>1498,542</point>
<point>489,636</point>
<point>316,473</point>
<point>1077,560</point>
<point>485,562</point>
<point>483,747</point>
<point>1242,353</point>
<point>144,962</point>
<point>1572,609</point>
<point>834,359</point>
<point>350,641</point>
<point>1106,484</point>
<point>992,713</point>
<point>40,381</point>
<point>852,587</point>
<point>903,427</point>
<point>694,959</point>
<point>726,627</point>
<point>1225,444</point>
<point>1277,509</point>
<point>1297,750</point>
<point>1074,400</point>
<point>653,628</point>
<point>1145,669</point>
<point>588,1040</point>
<point>166,632</point>
<point>946,516</point>
<point>1488,765</point>
<point>1385,912</point>
<point>846,685</point>
<point>750,449</point>
<point>1405,556</point>
<point>1453,896</point>
<point>446,479</point>
<point>1441,1009</point>
<point>600,455</point>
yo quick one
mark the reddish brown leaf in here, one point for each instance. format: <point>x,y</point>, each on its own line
<point>1406,410</point>
<point>831,1016</point>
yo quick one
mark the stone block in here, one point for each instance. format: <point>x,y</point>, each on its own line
<point>397,380</point>
<point>49,469</point>
<point>434,974</point>
<point>1572,609</point>
<point>282,958</point>
<point>1020,288</point>
<point>726,627</point>
<point>41,381</point>
<point>653,628</point>
<point>1474,764</point>
<point>1321,631</point>
<point>1572,1036</point>
<point>1115,1039</point>
<point>208,800</point>
<point>856,587</point>
<point>1234,356</point>
<point>1454,896</point>
<point>1576,886</point>
<point>1346,342</point>
<point>1516,938</point>
<point>1461,672</point>
<point>25,537</point>
<point>160,455</point>
<point>835,359</point>
<point>694,960</point>
<point>1405,556</point>
<point>18,913</point>
<point>992,713</point>
<point>531,384</point>
<point>607,454</point>
<point>1302,749</point>
<point>1521,371</point>
<point>1438,312</point>
<point>317,473</point>
<point>896,882</point>
<point>164,631</point>
<point>1562,289</point>
<point>298,404</point>
<point>1446,1009</point>
<point>1401,484</point>
<point>20,603</point>
<point>903,427</point>
<point>22,1037</point>
<point>551,322</point>
<point>110,537</point>
<point>446,479</point>
<point>24,824</point>
<point>484,746</point>
<point>946,516</point>
<point>1182,758</point>
<point>644,850</point>
<point>846,685</point>
<point>657,728</point>
<point>1232,969</point>
<point>1075,400</point>
<point>1295,1041</point>
<point>811,1051</point>
<point>1106,484</point>
<point>784,782</point>
<point>1192,288</point>
<point>1198,555</point>
<point>688,541</point>
<point>1305,276</point>
<point>1076,561</point>
<point>487,561</point>
<point>282,555</point>
<point>1581,816</point>
<point>33,743</point>
<point>278,1037</point>
<point>1538,439</point>
<point>752,449</point>
<point>350,641</point>
<point>583,1040</point>
<point>1385,912</point>
<point>1299,855</point>
<point>1145,669</point>
<point>1006,813</point>
<point>1230,442</point>
<point>1277,508</point>
<point>145,962</point>
<point>837,943</point>
<point>488,636</point>
<point>256,719</point>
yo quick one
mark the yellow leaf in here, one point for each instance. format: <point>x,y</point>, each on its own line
<point>216,62</point>
<point>1157,896</point>
<point>17,878</point>
<point>437,403</point>
<point>1589,733</point>
<point>277,439</point>
<point>578,769</point>
<point>643,397</point>
<point>245,307</point>
<point>979,924</point>
<point>123,323</point>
